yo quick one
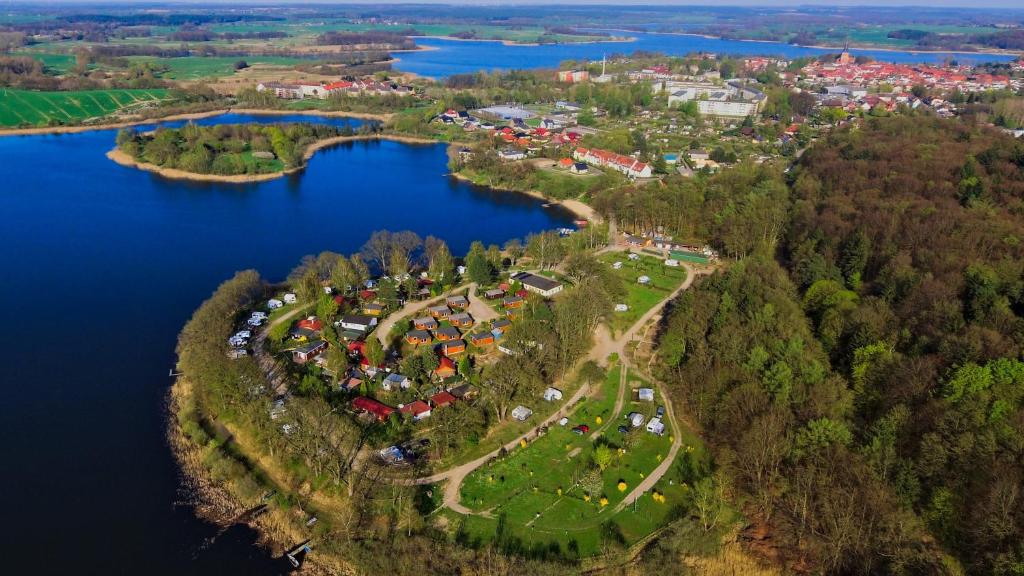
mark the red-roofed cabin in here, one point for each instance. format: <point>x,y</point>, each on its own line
<point>442,399</point>
<point>356,346</point>
<point>311,323</point>
<point>445,368</point>
<point>522,293</point>
<point>565,163</point>
<point>367,294</point>
<point>417,410</point>
<point>380,411</point>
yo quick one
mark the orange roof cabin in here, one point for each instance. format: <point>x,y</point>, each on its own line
<point>373,309</point>
<point>417,410</point>
<point>417,337</point>
<point>453,347</point>
<point>362,404</point>
<point>442,399</point>
<point>445,368</point>
<point>425,323</point>
<point>439,312</point>
<point>565,163</point>
<point>459,302</point>
<point>513,302</point>
<point>462,320</point>
<point>481,339</point>
<point>446,333</point>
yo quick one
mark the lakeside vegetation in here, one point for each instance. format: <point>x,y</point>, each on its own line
<point>228,149</point>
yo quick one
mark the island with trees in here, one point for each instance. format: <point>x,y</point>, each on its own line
<point>229,152</point>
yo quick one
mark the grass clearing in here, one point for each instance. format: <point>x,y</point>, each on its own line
<point>639,297</point>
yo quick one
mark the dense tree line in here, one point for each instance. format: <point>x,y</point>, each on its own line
<point>905,243</point>
<point>227,149</point>
<point>390,39</point>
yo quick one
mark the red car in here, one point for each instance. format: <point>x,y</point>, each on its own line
<point>581,429</point>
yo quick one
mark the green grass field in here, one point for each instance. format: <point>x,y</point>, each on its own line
<point>198,67</point>
<point>523,488</point>
<point>641,298</point>
<point>29,108</point>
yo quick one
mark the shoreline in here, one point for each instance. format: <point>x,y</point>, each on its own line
<point>120,157</point>
<point>578,208</point>
<point>41,130</point>
<point>989,52</point>
<point>515,43</point>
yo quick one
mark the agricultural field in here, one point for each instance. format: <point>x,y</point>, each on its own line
<point>29,108</point>
<point>641,298</point>
<point>200,67</point>
<point>535,494</point>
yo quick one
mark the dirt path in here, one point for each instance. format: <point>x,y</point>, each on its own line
<point>479,309</point>
<point>604,343</point>
<point>269,364</point>
<point>385,326</point>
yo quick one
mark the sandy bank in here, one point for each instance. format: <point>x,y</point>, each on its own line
<point>189,116</point>
<point>580,209</point>
<point>125,160</point>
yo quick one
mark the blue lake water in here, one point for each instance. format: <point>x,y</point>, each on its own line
<point>103,265</point>
<point>464,56</point>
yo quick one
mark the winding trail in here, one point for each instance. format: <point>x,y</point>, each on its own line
<point>269,365</point>
<point>604,346</point>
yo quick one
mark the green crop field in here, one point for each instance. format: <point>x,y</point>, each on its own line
<point>198,67</point>
<point>29,108</point>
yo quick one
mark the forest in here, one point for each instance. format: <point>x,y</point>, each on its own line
<point>227,149</point>
<point>870,353</point>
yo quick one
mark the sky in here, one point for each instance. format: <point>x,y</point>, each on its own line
<point>1018,4</point>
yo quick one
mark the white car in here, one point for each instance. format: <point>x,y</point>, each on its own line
<point>563,421</point>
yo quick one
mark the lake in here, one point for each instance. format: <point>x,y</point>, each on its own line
<point>464,56</point>
<point>103,266</point>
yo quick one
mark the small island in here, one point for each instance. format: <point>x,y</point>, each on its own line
<point>228,152</point>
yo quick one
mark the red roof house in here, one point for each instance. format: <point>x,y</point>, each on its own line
<point>369,405</point>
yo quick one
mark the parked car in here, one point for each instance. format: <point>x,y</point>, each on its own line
<point>581,429</point>
<point>660,412</point>
<point>623,429</point>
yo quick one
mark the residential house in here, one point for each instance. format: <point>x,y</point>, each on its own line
<point>458,302</point>
<point>453,347</point>
<point>445,333</point>
<point>358,323</point>
<point>513,302</point>
<point>445,368</point>
<point>439,312</point>
<point>463,391</point>
<point>308,351</point>
<point>620,163</point>
<point>500,326</point>
<point>373,309</point>
<point>362,404</point>
<point>442,399</point>
<point>396,381</point>
<point>417,410</point>
<point>417,337</point>
<point>481,339</point>
<point>494,294</point>
<point>462,320</point>
<point>352,382</point>
<point>425,323</point>
<point>546,287</point>
<point>511,154</point>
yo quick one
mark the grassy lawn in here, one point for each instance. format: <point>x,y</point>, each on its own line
<point>25,107</point>
<point>522,490</point>
<point>641,298</point>
<point>260,166</point>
